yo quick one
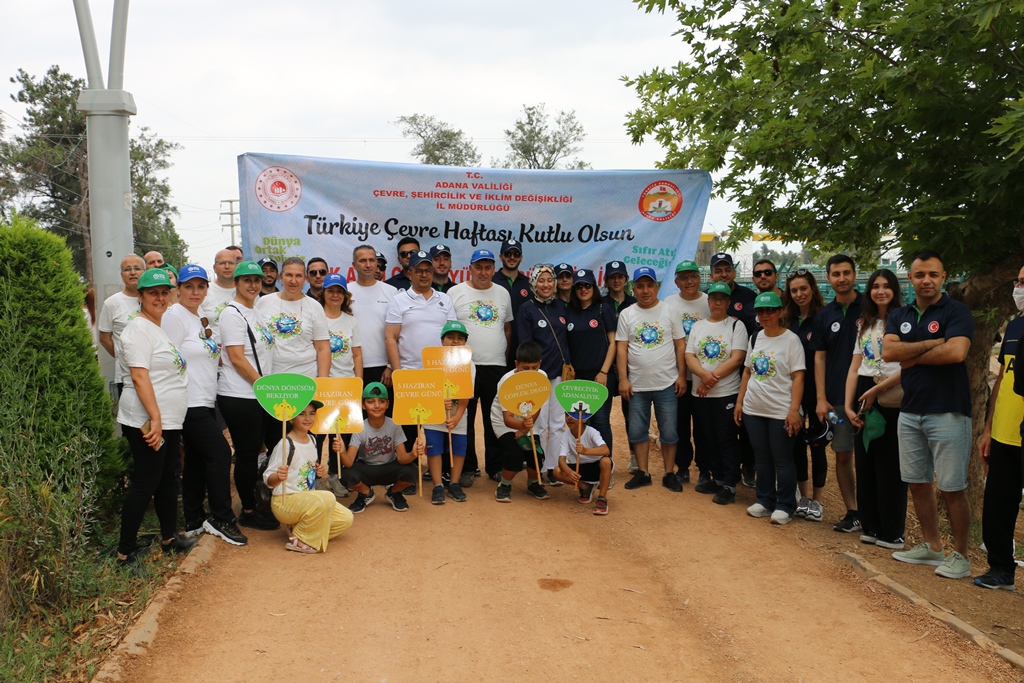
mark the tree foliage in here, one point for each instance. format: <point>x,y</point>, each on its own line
<point>439,143</point>
<point>534,142</point>
<point>44,171</point>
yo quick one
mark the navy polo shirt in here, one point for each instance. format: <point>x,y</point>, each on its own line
<point>741,307</point>
<point>929,389</point>
<point>546,324</point>
<point>444,287</point>
<point>518,288</point>
<point>835,333</point>
<point>588,337</point>
<point>400,282</point>
<point>805,330</point>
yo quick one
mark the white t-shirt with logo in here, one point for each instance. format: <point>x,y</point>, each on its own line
<point>688,311</point>
<point>295,326</point>
<point>370,307</point>
<point>302,470</point>
<point>145,345</point>
<point>117,311</point>
<point>235,320</point>
<point>712,343</point>
<point>344,336</point>
<point>217,299</point>
<point>484,312</point>
<point>772,362</point>
<point>869,346</point>
<point>421,320</point>
<point>650,334</point>
<point>202,355</point>
<point>589,437</point>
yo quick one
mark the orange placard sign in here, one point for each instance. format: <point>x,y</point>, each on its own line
<point>524,393</point>
<point>419,396</point>
<point>343,405</point>
<point>457,364</point>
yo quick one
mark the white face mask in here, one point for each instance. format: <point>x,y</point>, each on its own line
<point>1018,297</point>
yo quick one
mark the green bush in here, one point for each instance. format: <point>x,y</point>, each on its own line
<point>58,454</point>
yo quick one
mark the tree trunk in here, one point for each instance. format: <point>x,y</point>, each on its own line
<point>82,218</point>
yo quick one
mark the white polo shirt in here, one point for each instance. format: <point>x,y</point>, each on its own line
<point>370,307</point>
<point>421,320</point>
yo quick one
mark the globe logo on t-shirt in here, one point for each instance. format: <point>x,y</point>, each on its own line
<point>286,326</point>
<point>711,350</point>
<point>211,345</point>
<point>649,335</point>
<point>482,312</point>
<point>763,366</point>
<point>338,344</point>
<point>688,320</point>
<point>179,361</point>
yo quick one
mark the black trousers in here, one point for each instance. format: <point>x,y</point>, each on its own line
<point>152,479</point>
<point>1002,503</point>
<point>881,492</point>
<point>485,388</point>
<point>207,471</point>
<point>715,418</point>
<point>245,418</point>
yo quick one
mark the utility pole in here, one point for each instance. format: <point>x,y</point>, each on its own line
<point>232,216</point>
<point>110,187</point>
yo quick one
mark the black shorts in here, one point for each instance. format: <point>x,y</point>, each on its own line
<point>513,457</point>
<point>590,472</point>
<point>378,475</point>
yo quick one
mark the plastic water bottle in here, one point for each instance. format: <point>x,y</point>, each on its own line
<point>834,418</point>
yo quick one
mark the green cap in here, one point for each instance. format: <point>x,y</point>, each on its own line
<point>170,269</point>
<point>687,265</point>
<point>316,404</point>
<point>248,268</point>
<point>719,288</point>
<point>375,390</point>
<point>767,300</point>
<point>454,326</point>
<point>155,277</point>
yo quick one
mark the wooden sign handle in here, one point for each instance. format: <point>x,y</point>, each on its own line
<point>579,432</point>
<point>419,460</point>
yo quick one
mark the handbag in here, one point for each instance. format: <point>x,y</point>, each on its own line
<point>892,398</point>
<point>263,492</point>
<point>568,371</point>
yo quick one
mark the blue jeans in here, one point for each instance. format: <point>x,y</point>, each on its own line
<point>773,462</point>
<point>935,447</point>
<point>665,407</point>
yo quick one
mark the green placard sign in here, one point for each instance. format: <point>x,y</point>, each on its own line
<point>581,396</point>
<point>284,395</point>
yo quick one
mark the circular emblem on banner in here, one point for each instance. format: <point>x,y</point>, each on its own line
<point>905,327</point>
<point>542,323</point>
<point>593,323</point>
<point>933,326</point>
<point>570,327</point>
<point>835,327</point>
<point>278,189</point>
<point>660,201</point>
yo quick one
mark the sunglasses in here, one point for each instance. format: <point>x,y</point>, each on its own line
<point>764,273</point>
<point>382,268</point>
<point>512,253</point>
<point>207,332</point>
<point>320,272</point>
<point>799,272</point>
<point>583,285</point>
<point>407,254</point>
<point>767,311</point>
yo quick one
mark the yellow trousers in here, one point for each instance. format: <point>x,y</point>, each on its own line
<point>315,516</point>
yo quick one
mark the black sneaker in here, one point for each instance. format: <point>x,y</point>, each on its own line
<point>503,494</point>
<point>724,496</point>
<point>639,479</point>
<point>466,480</point>
<point>748,477</point>
<point>263,520</point>
<point>549,479</point>
<point>684,475</point>
<point>398,502</point>
<point>538,491</point>
<point>456,493</point>
<point>670,481</point>
<point>361,501</point>
<point>707,485</point>
<point>848,524</point>
<point>178,545</point>
<point>409,490</point>
<point>226,531</point>
<point>996,581</point>
<point>437,496</point>
<point>193,529</point>
<point>495,477</point>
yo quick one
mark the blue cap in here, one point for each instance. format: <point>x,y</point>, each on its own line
<point>511,243</point>
<point>335,280</point>
<point>563,268</point>
<point>439,249</point>
<point>615,268</point>
<point>420,257</point>
<point>644,271</point>
<point>482,255</point>
<point>190,271</point>
<point>584,275</point>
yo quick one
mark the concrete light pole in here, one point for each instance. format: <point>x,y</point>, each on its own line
<point>110,185</point>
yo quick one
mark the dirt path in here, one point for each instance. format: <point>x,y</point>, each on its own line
<point>667,587</point>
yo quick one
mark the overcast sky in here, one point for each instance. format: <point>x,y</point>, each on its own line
<point>329,77</point>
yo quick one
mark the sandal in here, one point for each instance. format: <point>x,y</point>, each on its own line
<point>299,547</point>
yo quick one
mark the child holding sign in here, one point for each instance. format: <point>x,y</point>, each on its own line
<point>453,333</point>
<point>513,433</point>
<point>314,516</point>
<point>377,456</point>
<point>595,463</point>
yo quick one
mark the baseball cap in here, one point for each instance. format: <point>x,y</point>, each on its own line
<point>155,277</point>
<point>685,266</point>
<point>584,275</point>
<point>719,288</point>
<point>511,243</point>
<point>315,403</point>
<point>192,271</point>
<point>375,390</point>
<point>644,271</point>
<point>563,268</point>
<point>820,437</point>
<point>767,300</point>
<point>418,258</point>
<point>380,257</point>
<point>454,326</point>
<point>335,280</point>
<point>439,249</point>
<point>721,257</point>
<point>267,260</point>
<point>482,255</point>
<point>247,268</point>
<point>615,268</point>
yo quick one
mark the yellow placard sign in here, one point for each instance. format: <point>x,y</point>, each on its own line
<point>343,405</point>
<point>457,364</point>
<point>419,396</point>
<point>524,393</point>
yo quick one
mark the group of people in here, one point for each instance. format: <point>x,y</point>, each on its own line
<point>743,382</point>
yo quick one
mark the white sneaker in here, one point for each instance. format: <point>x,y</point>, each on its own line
<point>801,507</point>
<point>814,511</point>
<point>758,510</point>
<point>781,517</point>
<point>335,486</point>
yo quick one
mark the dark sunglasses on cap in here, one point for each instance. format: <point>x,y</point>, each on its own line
<point>319,272</point>
<point>207,332</point>
<point>799,272</point>
<point>763,273</point>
